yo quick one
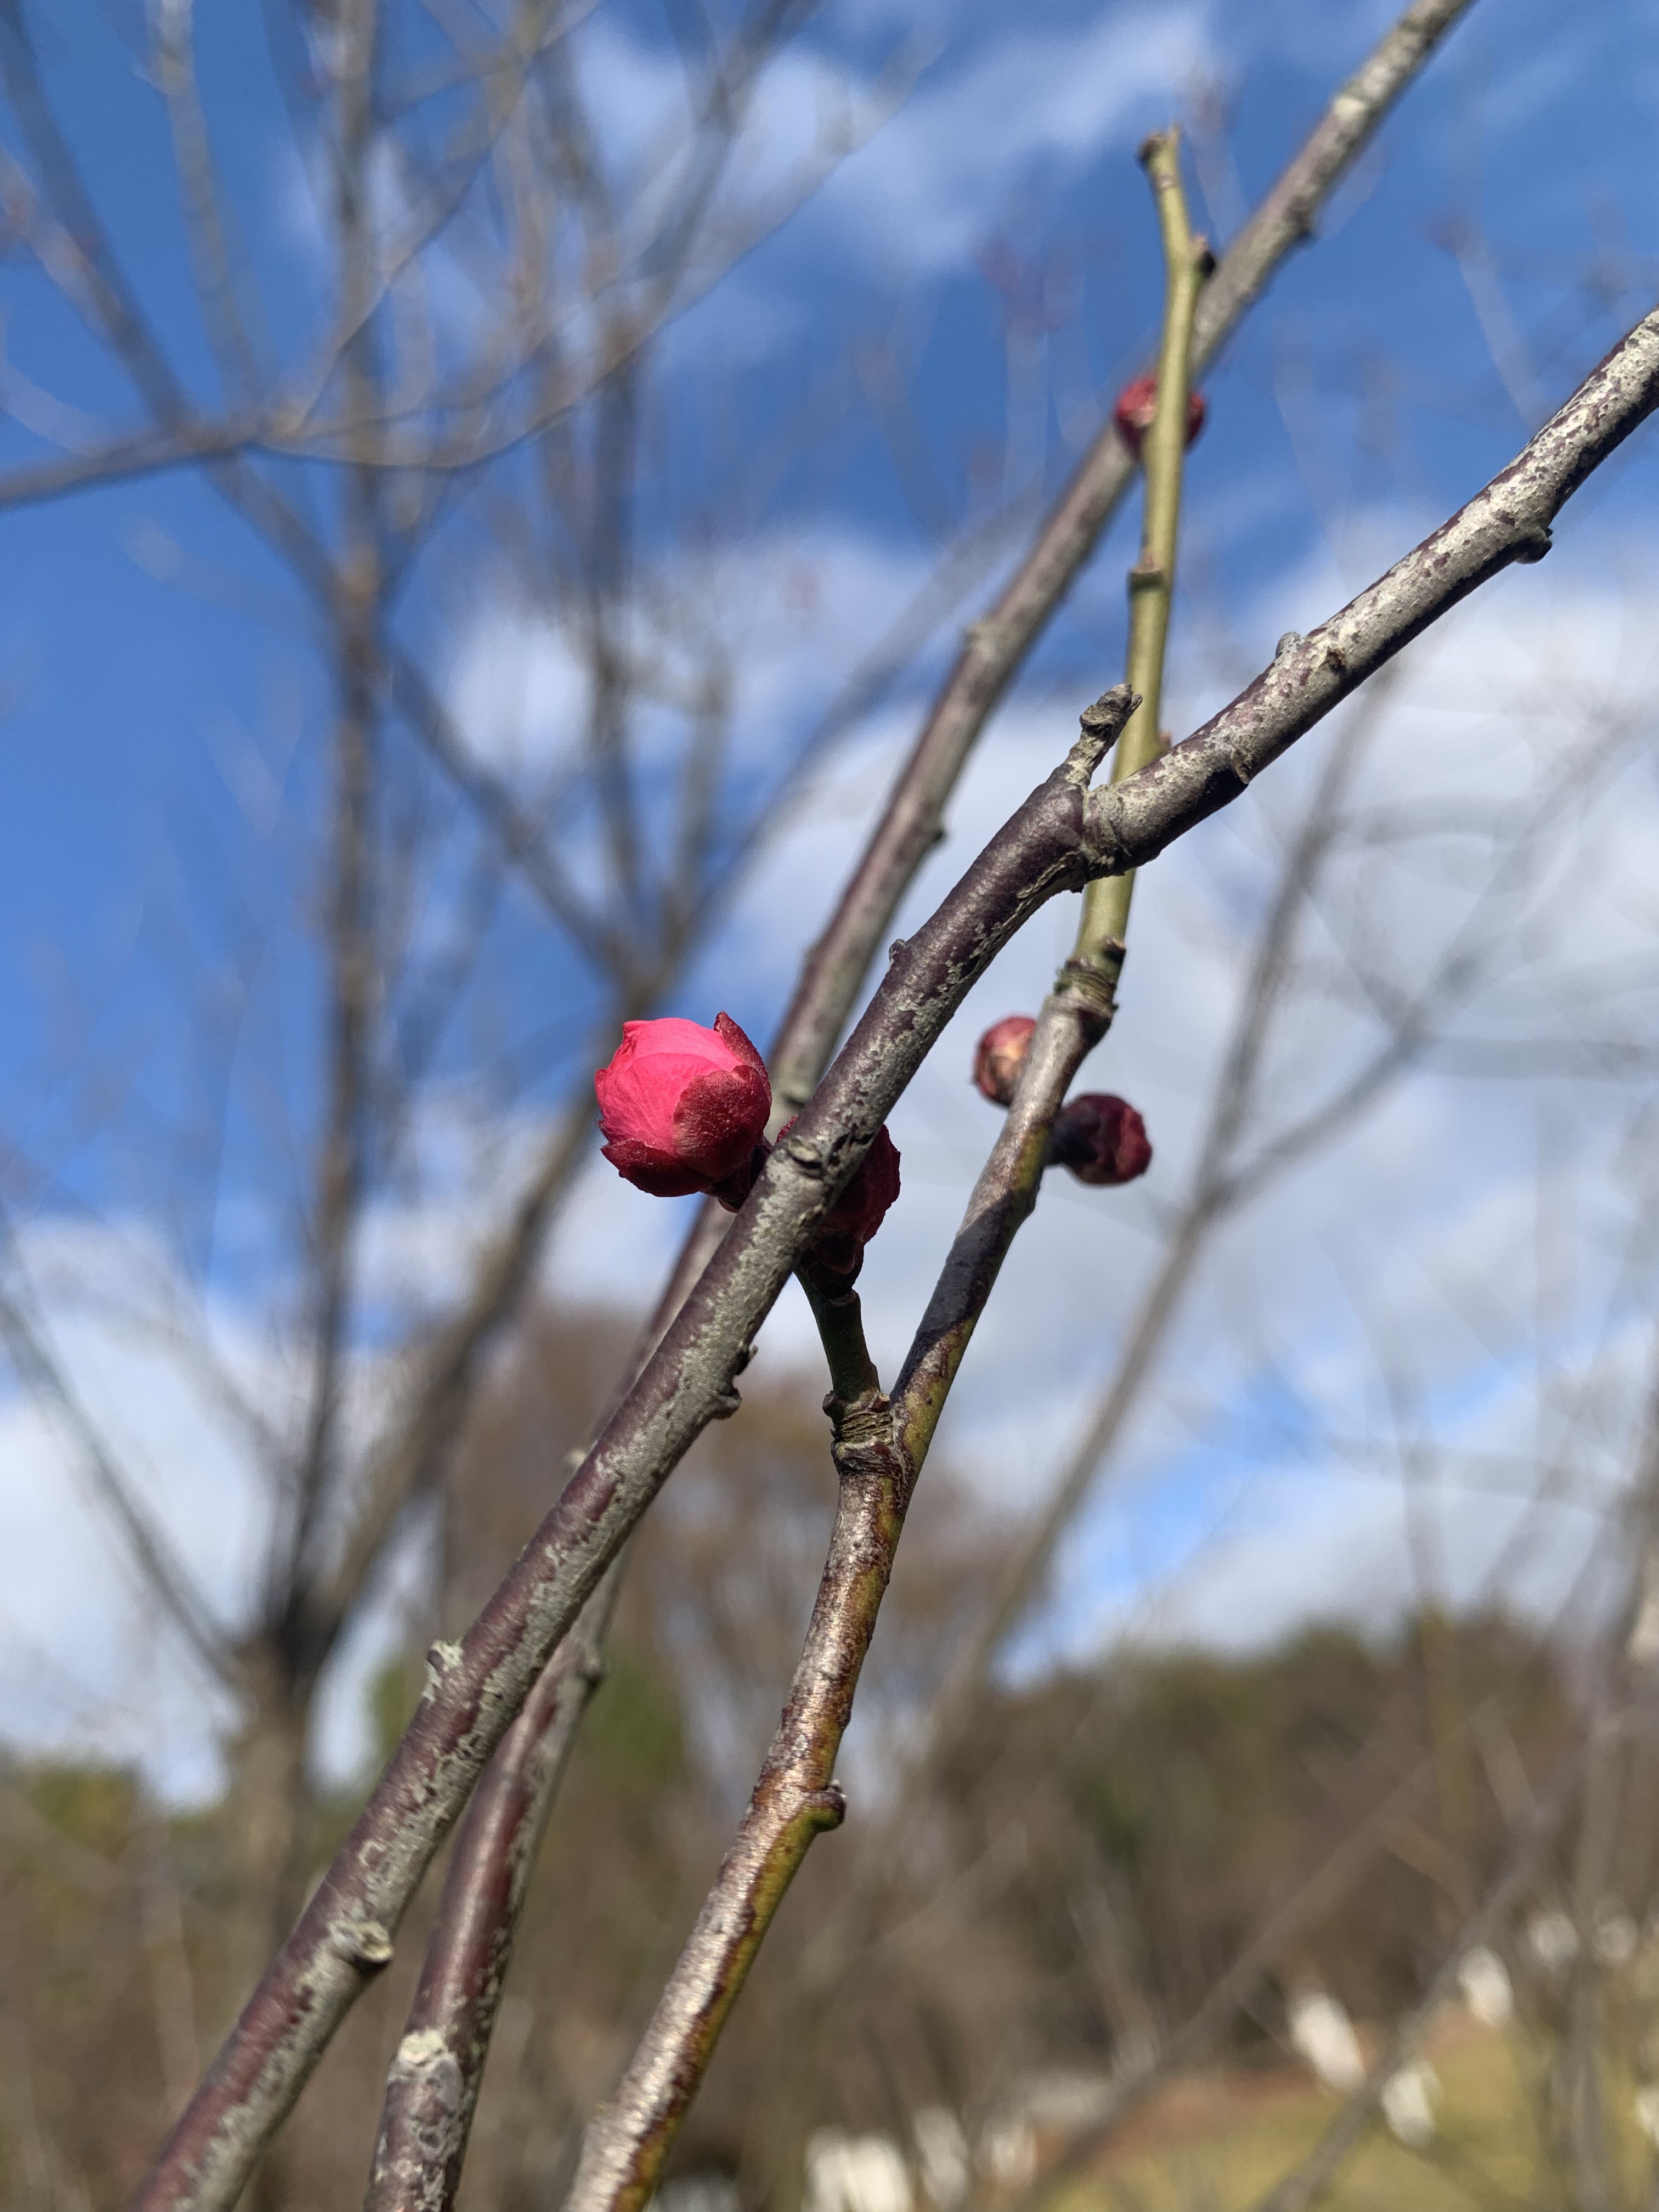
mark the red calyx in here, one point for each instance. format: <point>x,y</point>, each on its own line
<point>999,1056</point>
<point>860,1211</point>
<point>1103,1140</point>
<point>1137,404</point>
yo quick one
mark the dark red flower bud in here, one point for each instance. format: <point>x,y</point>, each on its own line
<point>999,1056</point>
<point>860,1211</point>
<point>683,1108</point>
<point>1137,404</point>
<point>1101,1138</point>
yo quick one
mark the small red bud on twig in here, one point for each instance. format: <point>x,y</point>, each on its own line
<point>999,1056</point>
<point>1101,1138</point>
<point>1137,404</point>
<point>860,1211</point>
<point>684,1109</point>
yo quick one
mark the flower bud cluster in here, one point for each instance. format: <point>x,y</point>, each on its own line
<point>684,1110</point>
<point>860,1211</point>
<point>1101,1138</point>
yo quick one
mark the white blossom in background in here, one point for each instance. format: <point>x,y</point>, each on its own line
<point>942,2153</point>
<point>1007,2153</point>
<point>1062,2098</point>
<point>1409,2098</point>
<point>1616,1934</point>
<point>1645,2106</point>
<point>1552,1940</point>
<point>1132,2055</point>
<point>1323,2032</point>
<point>1483,1980</point>
<point>710,2190</point>
<point>856,2173</point>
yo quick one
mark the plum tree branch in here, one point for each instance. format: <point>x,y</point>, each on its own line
<point>431,2087</point>
<point>880,1464</point>
<point>995,647</point>
<point>1062,837</point>
<point>879,1449</point>
<point>1097,957</point>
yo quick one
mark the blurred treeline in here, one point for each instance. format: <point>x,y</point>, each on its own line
<point>1088,1864</point>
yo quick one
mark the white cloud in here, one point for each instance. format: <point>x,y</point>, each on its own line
<point>1419,1232</point>
<point>927,188</point>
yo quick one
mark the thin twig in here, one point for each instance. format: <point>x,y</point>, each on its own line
<point>995,647</point>
<point>625,2145</point>
<point>164,1574</point>
<point>1584,1775</point>
<point>1208,1204</point>
<point>432,2088</point>
<point>1102,930</point>
<point>432,2084</point>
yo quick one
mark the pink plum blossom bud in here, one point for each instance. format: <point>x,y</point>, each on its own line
<point>1101,1138</point>
<point>999,1056</point>
<point>857,1214</point>
<point>683,1108</point>
<point>1137,404</point>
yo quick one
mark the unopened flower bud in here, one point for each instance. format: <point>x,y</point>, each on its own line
<point>999,1056</point>
<point>1101,1138</point>
<point>860,1211</point>
<point>1137,404</point>
<point>684,1109</point>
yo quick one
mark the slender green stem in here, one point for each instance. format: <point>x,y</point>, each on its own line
<point>835,1308</point>
<point>1097,957</point>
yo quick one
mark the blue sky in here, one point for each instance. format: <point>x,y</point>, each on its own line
<point>989,240</point>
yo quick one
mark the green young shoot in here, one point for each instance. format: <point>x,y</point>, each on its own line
<point>1096,960</point>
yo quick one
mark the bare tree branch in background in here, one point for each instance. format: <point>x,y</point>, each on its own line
<point>370,452</point>
<point>340,1505</point>
<point>1062,837</point>
<point>163,1572</point>
<point>1625,1659</point>
<point>823,997</point>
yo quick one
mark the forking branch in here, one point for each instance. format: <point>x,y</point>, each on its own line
<point>453,2046</point>
<point>372,1492</point>
<point>1060,839</point>
<point>880,1448</point>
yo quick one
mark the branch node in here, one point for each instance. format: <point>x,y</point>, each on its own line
<point>1100,726</point>
<point>1535,545</point>
<point>1090,984</point>
<point>864,1421</point>
<point>441,1659</point>
<point>423,2055</point>
<point>807,1156</point>
<point>1287,643</point>
<point>827,1807</point>
<point>364,1943</point>
<point>1153,144</point>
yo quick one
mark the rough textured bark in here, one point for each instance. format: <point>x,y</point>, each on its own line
<point>433,2086</point>
<point>879,1451</point>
